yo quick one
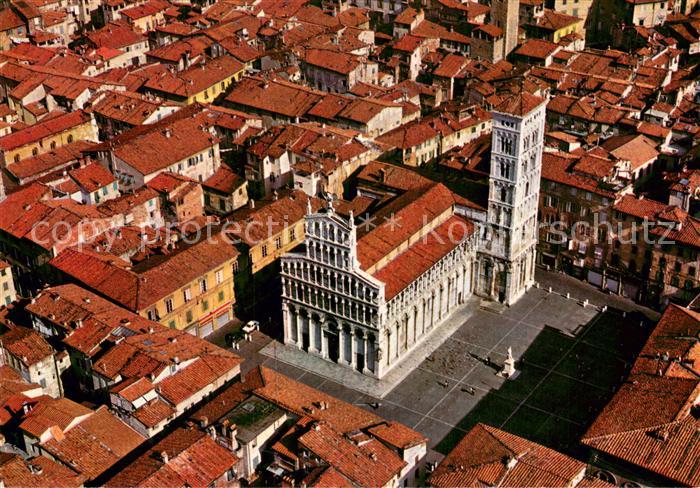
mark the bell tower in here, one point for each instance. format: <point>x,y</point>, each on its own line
<point>509,241</point>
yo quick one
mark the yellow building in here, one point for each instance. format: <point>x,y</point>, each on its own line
<point>202,82</point>
<point>272,229</point>
<point>189,288</point>
<point>55,130</point>
<point>553,26</point>
<point>263,232</point>
<point>7,285</point>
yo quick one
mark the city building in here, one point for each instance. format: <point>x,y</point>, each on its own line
<point>487,455</point>
<point>360,296</point>
<point>53,131</point>
<point>639,435</point>
<point>190,287</point>
<point>171,462</point>
<point>179,370</point>
<point>224,192</point>
<point>313,438</point>
<point>28,353</point>
<point>88,441</point>
<point>181,143</point>
<point>7,284</point>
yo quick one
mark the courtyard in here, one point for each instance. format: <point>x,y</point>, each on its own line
<point>570,360</point>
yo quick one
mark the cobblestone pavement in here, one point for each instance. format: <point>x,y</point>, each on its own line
<point>570,360</point>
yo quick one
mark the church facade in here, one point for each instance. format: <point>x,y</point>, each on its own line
<point>369,288</point>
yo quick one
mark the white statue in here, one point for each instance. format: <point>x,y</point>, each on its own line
<point>508,366</point>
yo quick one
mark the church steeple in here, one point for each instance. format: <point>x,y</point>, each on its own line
<point>514,182</point>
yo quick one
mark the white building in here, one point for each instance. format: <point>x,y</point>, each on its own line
<point>364,296</point>
<point>508,251</point>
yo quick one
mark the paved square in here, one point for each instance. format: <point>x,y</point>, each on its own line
<point>570,359</point>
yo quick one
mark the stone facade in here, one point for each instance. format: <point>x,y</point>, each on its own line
<point>335,310</point>
<point>340,310</point>
<point>509,244</point>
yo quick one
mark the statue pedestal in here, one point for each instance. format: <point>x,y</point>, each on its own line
<point>509,371</point>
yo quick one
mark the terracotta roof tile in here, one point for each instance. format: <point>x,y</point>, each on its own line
<point>193,459</point>
<point>27,345</point>
<point>37,472</point>
<point>487,456</point>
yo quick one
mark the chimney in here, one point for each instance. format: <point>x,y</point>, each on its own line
<point>78,323</point>
<point>251,203</point>
<point>212,432</point>
<point>382,175</point>
<point>204,422</point>
<point>151,330</point>
<point>164,457</point>
<point>167,133</point>
<point>274,195</point>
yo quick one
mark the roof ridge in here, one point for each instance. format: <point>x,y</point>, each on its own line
<point>641,429</point>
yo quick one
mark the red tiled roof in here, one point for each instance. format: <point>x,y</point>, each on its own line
<point>487,456</point>
<point>402,219</point>
<point>51,413</point>
<point>155,148</point>
<point>274,96</point>
<point>648,421</point>
<point>54,160</point>
<point>37,472</point>
<point>27,345</point>
<point>69,305</point>
<point>92,177</point>
<point>141,355</point>
<point>195,79</point>
<point>341,416</point>
<point>405,268</point>
<point>640,207</point>
<point>408,43</point>
<point>95,444</point>
<point>153,412</point>
<point>557,167</point>
<point>368,464</point>
<point>331,60</point>
<point>9,19</point>
<point>635,148</point>
<point>519,105</point>
<point>115,36</point>
<point>553,21</point>
<point>46,127</point>
<point>224,180</point>
<point>193,459</point>
<point>537,48</point>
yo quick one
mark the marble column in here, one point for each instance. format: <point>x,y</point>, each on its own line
<point>366,350</point>
<point>287,323</point>
<point>297,327</point>
<point>323,346</point>
<point>314,329</point>
<point>341,345</point>
<point>353,344</point>
<point>388,347</point>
